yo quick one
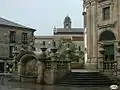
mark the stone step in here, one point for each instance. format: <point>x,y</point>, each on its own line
<point>67,85</point>
<point>98,76</point>
<point>89,80</point>
<point>86,78</point>
<point>87,83</point>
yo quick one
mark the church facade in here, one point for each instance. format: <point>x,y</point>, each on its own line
<point>102,38</point>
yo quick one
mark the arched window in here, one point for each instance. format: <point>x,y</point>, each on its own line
<point>107,35</point>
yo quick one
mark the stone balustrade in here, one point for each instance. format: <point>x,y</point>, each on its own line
<point>47,69</point>
<point>55,68</point>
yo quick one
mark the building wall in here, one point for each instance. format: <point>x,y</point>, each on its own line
<point>79,43</point>
<point>90,27</point>
<point>4,39</point>
<point>95,25</point>
<point>48,40</point>
<point>39,41</point>
<point>77,39</point>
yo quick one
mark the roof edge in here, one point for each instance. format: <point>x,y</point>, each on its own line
<point>18,27</point>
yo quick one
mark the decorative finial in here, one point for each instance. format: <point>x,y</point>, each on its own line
<point>67,15</point>
<point>54,27</point>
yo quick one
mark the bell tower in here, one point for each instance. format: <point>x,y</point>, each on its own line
<point>67,22</point>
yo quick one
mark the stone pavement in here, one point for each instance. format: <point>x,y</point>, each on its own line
<point>5,84</point>
<point>38,87</point>
<point>83,70</point>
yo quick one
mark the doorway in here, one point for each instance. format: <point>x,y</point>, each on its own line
<point>1,67</point>
<point>108,57</point>
<point>107,37</point>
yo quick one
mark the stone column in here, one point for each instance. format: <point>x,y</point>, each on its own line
<point>100,58</point>
<point>50,74</point>
<point>88,28</point>
<point>20,68</point>
<point>94,30</point>
<point>116,62</point>
<point>40,72</point>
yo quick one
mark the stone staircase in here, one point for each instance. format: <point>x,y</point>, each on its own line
<point>85,79</point>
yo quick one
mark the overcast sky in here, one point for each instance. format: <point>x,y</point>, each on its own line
<point>42,14</point>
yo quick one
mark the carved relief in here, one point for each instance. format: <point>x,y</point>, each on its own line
<point>30,67</point>
<point>106,25</point>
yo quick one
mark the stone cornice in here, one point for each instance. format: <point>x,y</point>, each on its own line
<point>105,3</point>
<point>101,26</point>
<point>100,1</point>
<point>88,3</point>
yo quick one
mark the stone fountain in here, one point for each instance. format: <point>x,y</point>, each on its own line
<point>39,67</point>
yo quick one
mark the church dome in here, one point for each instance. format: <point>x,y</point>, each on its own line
<point>67,19</point>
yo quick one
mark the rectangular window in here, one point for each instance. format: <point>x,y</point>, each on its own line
<point>106,13</point>
<point>10,51</point>
<point>12,36</point>
<point>24,37</point>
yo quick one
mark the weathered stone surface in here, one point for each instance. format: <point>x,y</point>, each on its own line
<point>41,68</point>
<point>49,76</point>
<point>4,50</point>
<point>19,68</point>
<point>40,71</point>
